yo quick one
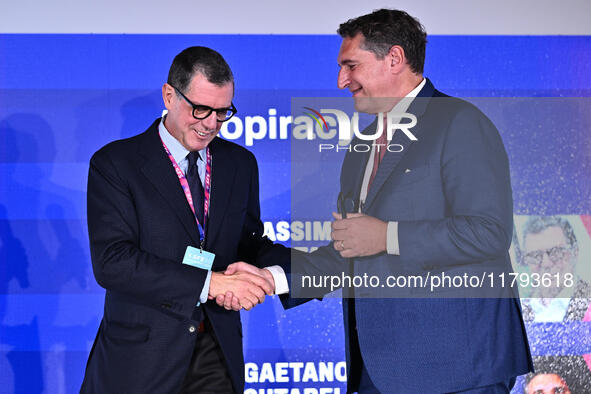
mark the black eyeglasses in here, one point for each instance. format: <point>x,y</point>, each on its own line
<point>555,254</point>
<point>203,111</point>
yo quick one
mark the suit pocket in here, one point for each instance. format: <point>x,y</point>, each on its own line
<point>126,333</point>
<point>412,175</point>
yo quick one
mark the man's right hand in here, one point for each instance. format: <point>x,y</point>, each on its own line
<point>245,289</point>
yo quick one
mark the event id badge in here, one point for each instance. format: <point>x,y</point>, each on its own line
<point>198,258</point>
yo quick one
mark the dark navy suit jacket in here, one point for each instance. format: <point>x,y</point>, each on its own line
<point>139,225</point>
<point>450,192</point>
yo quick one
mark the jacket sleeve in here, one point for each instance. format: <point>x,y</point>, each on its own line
<point>255,248</point>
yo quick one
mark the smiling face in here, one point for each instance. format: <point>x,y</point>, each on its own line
<point>195,134</point>
<point>366,76</point>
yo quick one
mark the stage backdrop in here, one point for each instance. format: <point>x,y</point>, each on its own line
<point>63,96</point>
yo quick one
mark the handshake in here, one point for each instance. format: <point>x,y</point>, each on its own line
<point>241,286</point>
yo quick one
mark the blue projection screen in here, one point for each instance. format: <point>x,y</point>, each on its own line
<point>62,97</point>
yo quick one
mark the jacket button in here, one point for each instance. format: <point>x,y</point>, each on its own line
<point>192,329</point>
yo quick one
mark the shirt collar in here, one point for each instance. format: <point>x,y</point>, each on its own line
<point>413,93</point>
<point>405,102</point>
<point>176,149</point>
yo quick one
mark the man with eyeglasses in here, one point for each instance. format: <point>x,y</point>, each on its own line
<point>550,248</point>
<point>168,211</point>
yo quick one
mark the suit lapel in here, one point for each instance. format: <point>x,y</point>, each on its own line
<point>391,159</point>
<point>159,171</point>
<point>222,179</point>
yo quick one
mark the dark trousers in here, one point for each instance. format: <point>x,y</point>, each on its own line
<point>359,380</point>
<point>207,372</point>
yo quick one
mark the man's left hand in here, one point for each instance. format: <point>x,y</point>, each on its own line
<point>358,235</point>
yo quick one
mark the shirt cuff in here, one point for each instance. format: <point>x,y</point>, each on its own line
<point>205,290</point>
<point>281,285</point>
<point>392,246</point>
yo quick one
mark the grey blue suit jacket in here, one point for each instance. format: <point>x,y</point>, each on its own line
<point>450,192</point>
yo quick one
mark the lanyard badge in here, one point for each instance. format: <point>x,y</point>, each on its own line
<point>187,191</point>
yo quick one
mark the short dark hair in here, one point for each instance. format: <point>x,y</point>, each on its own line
<point>384,28</point>
<point>572,369</point>
<point>537,224</point>
<point>202,60</point>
